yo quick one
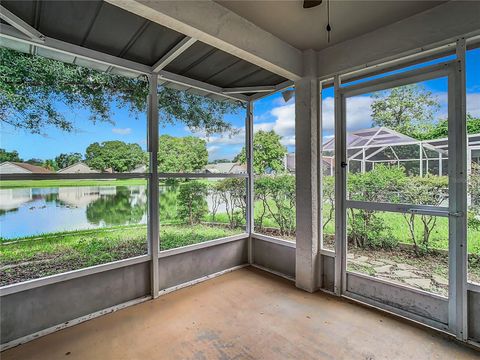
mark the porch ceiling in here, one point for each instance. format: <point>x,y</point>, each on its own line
<point>305,28</point>
<point>100,26</point>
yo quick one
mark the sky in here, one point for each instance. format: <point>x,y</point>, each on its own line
<point>270,113</point>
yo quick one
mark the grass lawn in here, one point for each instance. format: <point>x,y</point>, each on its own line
<point>34,257</point>
<point>10,184</point>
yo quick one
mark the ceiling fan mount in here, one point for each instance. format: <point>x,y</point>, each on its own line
<point>307,4</point>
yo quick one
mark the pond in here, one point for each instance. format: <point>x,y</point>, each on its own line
<point>35,211</point>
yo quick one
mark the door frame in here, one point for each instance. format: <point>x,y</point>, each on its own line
<point>456,211</point>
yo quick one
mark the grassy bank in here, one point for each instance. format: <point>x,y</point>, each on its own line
<point>12,184</point>
<point>34,257</point>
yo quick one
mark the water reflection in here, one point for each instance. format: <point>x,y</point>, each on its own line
<point>32,211</point>
<point>124,206</point>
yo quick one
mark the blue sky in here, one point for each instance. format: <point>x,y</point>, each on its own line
<point>270,113</point>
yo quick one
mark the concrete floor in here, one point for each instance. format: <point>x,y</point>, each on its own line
<point>246,314</point>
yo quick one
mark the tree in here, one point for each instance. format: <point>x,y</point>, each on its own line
<point>118,209</point>
<point>219,161</point>
<point>9,156</point>
<point>268,152</point>
<point>35,161</point>
<point>407,109</point>
<point>66,160</point>
<point>440,130</point>
<point>181,154</point>
<point>50,165</point>
<point>31,87</point>
<point>119,156</point>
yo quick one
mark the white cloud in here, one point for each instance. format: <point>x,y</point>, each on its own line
<point>283,124</point>
<point>213,149</point>
<point>473,104</point>
<point>122,131</point>
<point>358,113</point>
<point>283,120</point>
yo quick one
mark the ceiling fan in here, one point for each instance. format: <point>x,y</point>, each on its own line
<point>308,4</point>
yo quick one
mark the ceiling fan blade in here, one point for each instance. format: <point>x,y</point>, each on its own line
<point>307,4</point>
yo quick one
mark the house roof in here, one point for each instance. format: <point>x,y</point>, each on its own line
<point>80,163</point>
<point>226,168</point>
<point>29,167</point>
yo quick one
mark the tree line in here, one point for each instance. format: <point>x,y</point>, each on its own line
<point>175,154</point>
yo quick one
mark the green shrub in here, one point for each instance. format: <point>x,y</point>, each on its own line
<point>328,193</point>
<point>428,190</point>
<point>233,194</point>
<point>192,203</point>
<point>474,191</point>
<point>168,204</point>
<point>277,194</point>
<point>382,184</point>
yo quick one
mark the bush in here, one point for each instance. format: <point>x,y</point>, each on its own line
<point>428,190</point>
<point>278,197</point>
<point>168,204</point>
<point>233,193</point>
<point>474,190</point>
<point>382,184</point>
<point>192,203</point>
<point>328,193</point>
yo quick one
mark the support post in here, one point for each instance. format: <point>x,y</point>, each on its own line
<point>153,215</point>
<point>457,170</point>
<point>320,172</point>
<point>363,161</point>
<point>469,173</point>
<point>421,159</point>
<point>440,164</point>
<point>341,168</point>
<point>250,180</point>
<point>307,105</point>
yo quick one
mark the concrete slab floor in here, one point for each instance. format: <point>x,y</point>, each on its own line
<point>246,314</point>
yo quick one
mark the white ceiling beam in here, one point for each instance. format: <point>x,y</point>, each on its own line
<point>280,87</point>
<point>219,27</point>
<point>20,25</point>
<point>433,28</point>
<point>251,89</point>
<point>178,49</point>
<point>75,50</point>
<point>196,84</point>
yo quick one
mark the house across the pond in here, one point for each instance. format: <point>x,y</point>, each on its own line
<point>78,168</point>
<point>226,168</point>
<point>11,167</point>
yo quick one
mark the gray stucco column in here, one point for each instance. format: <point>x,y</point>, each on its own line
<point>307,129</point>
